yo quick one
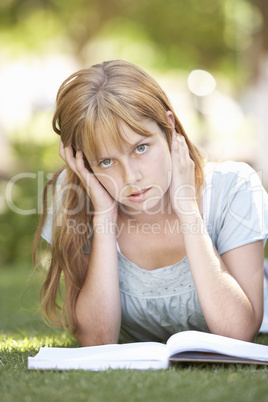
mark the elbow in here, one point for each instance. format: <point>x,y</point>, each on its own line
<point>243,327</point>
<point>96,336</point>
<point>240,334</point>
<point>251,327</point>
<point>96,331</point>
<point>247,336</point>
<point>241,331</point>
<point>86,340</point>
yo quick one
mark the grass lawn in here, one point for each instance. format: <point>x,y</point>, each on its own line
<point>22,333</point>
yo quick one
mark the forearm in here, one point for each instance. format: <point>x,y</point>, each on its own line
<point>229,287</point>
<point>98,307</point>
<point>226,308</point>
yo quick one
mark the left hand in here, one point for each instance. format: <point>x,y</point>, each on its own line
<point>182,187</point>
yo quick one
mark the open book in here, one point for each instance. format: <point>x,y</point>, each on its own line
<point>188,346</point>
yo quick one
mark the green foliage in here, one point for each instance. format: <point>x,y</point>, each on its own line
<point>184,34</point>
<point>23,193</point>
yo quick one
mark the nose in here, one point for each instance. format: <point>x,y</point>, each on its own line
<point>131,172</point>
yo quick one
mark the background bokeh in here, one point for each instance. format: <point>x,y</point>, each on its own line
<point>211,57</point>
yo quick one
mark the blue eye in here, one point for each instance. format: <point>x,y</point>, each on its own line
<point>106,163</point>
<point>140,149</point>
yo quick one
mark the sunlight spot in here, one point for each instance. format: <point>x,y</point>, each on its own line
<point>201,82</point>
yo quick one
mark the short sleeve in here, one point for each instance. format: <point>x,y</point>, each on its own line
<point>240,207</point>
<point>54,208</point>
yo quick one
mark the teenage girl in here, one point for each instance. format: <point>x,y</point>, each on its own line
<point>148,239</point>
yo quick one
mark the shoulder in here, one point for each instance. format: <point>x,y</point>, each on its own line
<point>59,186</point>
<point>229,174</point>
<point>61,178</point>
<point>238,208</point>
<point>55,206</point>
<point>229,169</point>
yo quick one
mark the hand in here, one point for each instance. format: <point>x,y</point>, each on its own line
<point>104,205</point>
<point>182,187</point>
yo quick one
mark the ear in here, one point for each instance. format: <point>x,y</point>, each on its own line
<point>171,119</point>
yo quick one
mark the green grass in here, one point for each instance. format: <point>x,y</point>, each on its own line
<point>22,333</point>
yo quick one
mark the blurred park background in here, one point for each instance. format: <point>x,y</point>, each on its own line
<point>211,57</point>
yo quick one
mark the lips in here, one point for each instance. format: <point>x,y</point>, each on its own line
<point>138,196</point>
<point>137,193</point>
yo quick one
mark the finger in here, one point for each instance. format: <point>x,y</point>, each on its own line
<point>179,147</point>
<point>184,153</point>
<point>88,178</point>
<point>80,164</point>
<point>69,157</point>
<point>174,142</point>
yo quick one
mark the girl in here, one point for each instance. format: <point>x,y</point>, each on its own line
<point>149,240</point>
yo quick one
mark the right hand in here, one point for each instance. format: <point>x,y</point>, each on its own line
<point>104,205</point>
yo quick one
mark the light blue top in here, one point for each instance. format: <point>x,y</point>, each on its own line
<point>156,304</point>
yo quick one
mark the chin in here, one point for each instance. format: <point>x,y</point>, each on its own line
<point>150,206</point>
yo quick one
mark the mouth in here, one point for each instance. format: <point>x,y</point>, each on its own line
<point>138,196</point>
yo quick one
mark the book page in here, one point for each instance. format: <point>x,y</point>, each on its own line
<point>206,342</point>
<point>134,355</point>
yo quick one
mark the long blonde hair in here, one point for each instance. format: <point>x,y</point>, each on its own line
<point>98,97</point>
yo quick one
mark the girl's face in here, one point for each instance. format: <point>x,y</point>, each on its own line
<point>138,175</point>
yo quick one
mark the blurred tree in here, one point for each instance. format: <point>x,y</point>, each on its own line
<point>211,34</point>
<point>186,32</point>
<point>259,47</point>
<point>23,193</point>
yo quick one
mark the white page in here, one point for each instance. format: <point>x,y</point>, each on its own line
<point>136,355</point>
<point>205,342</point>
<point>97,365</point>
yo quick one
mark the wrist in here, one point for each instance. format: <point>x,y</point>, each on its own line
<point>186,211</point>
<point>104,224</point>
<point>105,227</point>
<point>108,215</point>
<point>184,201</point>
<point>192,224</point>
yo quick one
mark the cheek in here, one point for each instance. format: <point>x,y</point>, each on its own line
<point>163,162</point>
<point>109,183</point>
<point>163,169</point>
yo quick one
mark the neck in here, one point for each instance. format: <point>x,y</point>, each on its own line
<point>156,215</point>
